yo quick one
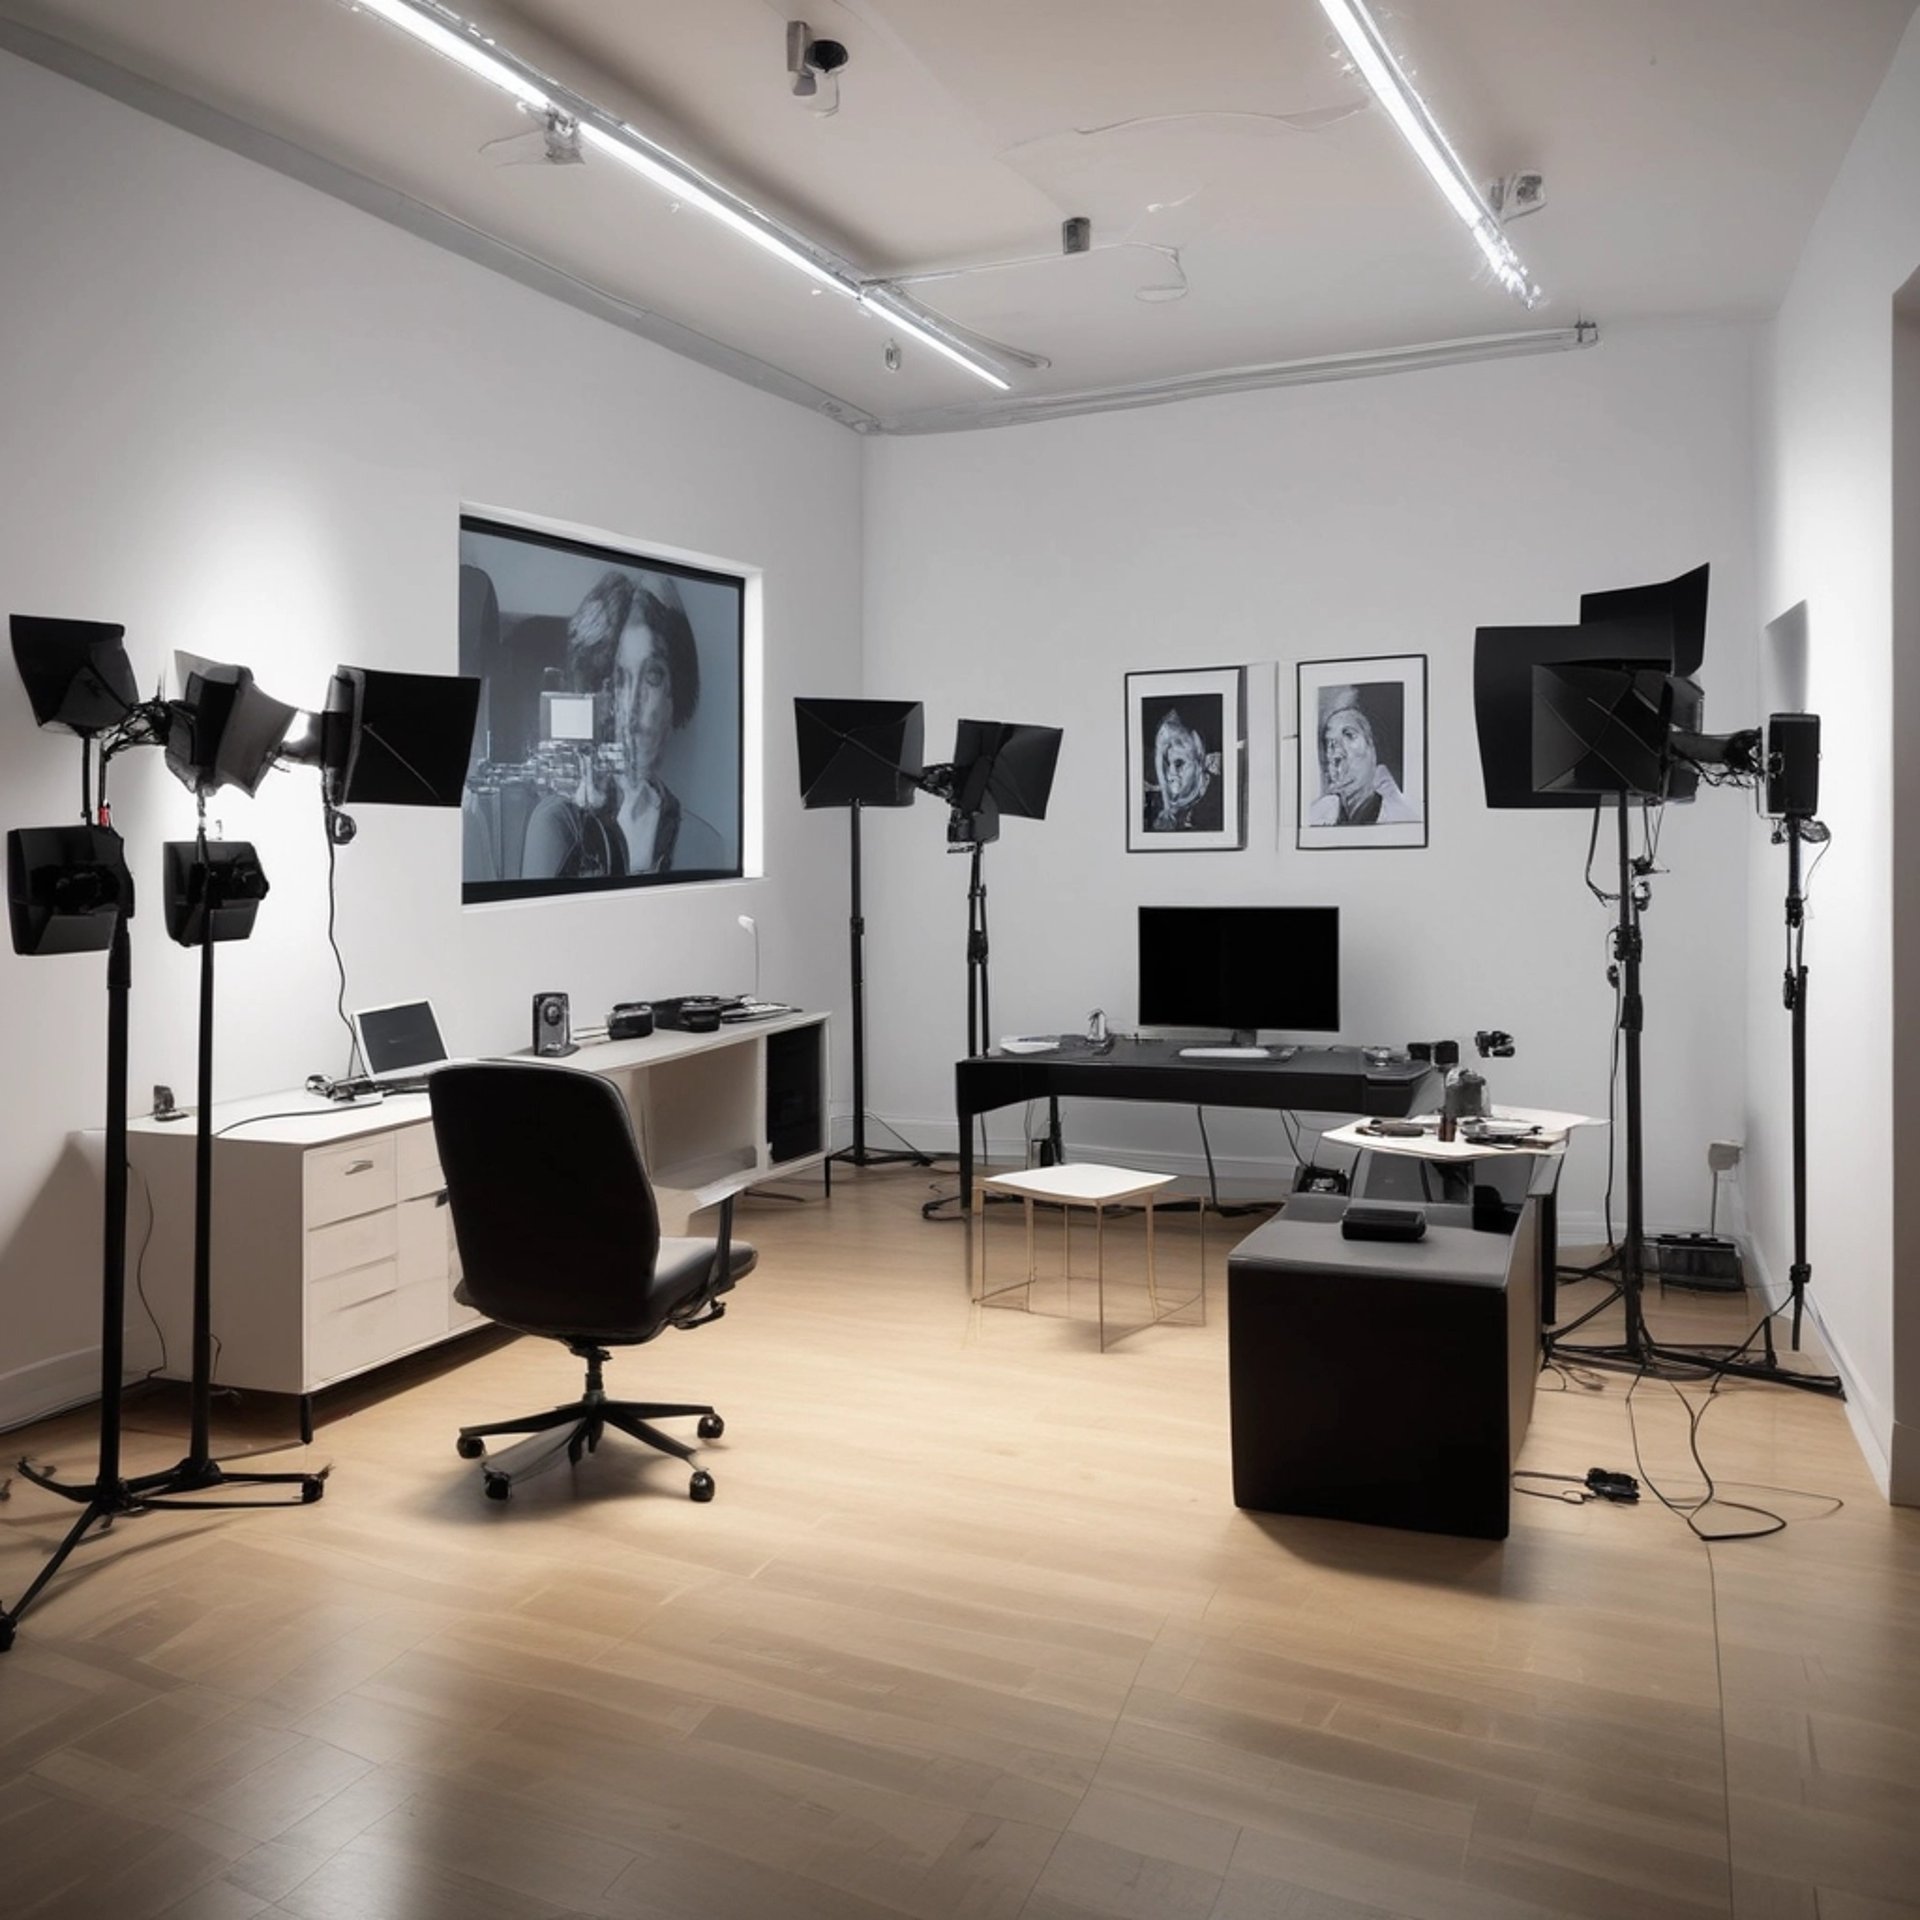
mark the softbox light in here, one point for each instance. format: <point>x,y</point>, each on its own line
<point>76,672</point>
<point>1600,730</point>
<point>1504,661</point>
<point>224,730</point>
<point>212,898</point>
<point>398,739</point>
<point>66,888</point>
<point>1005,766</point>
<point>868,753</point>
<point>1675,610</point>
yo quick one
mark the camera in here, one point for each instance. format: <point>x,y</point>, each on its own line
<point>579,718</point>
<point>826,56</point>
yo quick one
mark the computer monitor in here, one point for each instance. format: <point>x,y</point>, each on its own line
<point>1241,968</point>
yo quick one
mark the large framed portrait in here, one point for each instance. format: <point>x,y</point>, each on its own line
<point>608,752</point>
<point>1363,752</point>
<point>1187,760</point>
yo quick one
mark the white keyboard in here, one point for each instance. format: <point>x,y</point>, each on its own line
<point>1225,1053</point>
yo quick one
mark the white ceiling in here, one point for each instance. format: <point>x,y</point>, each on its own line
<point>1686,144</point>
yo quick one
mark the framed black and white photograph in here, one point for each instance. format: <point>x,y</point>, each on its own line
<point>1363,752</point>
<point>1187,760</point>
<point>608,752</point>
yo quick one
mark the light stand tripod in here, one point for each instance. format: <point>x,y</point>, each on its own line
<point>108,1495</point>
<point>211,899</point>
<point>858,754</point>
<point>859,1154</point>
<point>1639,1350</point>
<point>1795,829</point>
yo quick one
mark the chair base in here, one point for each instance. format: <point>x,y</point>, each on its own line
<point>577,1428</point>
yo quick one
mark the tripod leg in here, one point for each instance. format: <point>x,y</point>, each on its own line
<point>98,1511</point>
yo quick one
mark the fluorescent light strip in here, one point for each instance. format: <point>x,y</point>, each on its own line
<point>446,33</point>
<point>1367,47</point>
<point>620,142</point>
<point>461,44</point>
<point>885,304</point>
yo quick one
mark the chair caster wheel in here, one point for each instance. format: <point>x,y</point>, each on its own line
<point>468,1447</point>
<point>311,1490</point>
<point>700,1487</point>
<point>499,1487</point>
<point>711,1426</point>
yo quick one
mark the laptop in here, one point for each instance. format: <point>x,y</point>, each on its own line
<point>401,1042</point>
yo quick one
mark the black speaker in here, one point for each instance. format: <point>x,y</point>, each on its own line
<point>552,1026</point>
<point>1793,765</point>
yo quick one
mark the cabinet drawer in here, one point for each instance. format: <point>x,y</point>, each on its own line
<point>418,1162</point>
<point>352,1243</point>
<point>365,1316</point>
<point>426,1242</point>
<point>351,1179</point>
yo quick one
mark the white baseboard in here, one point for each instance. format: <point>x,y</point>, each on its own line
<point>1893,1461</point>
<point>49,1386</point>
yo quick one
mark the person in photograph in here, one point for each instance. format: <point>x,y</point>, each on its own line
<point>1183,787</point>
<point>630,643</point>
<point>1357,788</point>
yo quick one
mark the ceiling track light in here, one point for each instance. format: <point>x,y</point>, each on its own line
<point>1278,373</point>
<point>1375,63</point>
<point>462,42</point>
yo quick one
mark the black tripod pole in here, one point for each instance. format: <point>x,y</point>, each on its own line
<point>199,1471</point>
<point>857,948</point>
<point>859,1154</point>
<point>1627,949</point>
<point>1794,988</point>
<point>109,1495</point>
<point>979,1020</point>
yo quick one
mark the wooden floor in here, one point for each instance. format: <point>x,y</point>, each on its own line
<point>972,1631</point>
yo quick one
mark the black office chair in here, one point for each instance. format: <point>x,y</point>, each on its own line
<point>559,1235</point>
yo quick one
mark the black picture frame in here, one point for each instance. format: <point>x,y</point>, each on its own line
<point>1373,792</point>
<point>1206,709</point>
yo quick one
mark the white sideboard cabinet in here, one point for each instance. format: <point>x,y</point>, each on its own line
<point>333,1249</point>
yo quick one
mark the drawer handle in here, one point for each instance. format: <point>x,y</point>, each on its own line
<point>359,1166</point>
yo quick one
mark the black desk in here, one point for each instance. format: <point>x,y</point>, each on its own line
<point>1315,1080</point>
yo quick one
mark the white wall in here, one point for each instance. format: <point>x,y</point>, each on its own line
<point>1018,575</point>
<point>1827,537</point>
<point>242,418</point>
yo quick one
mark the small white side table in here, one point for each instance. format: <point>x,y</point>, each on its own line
<point>1097,1188</point>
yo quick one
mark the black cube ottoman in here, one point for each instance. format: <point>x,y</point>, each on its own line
<point>1383,1381</point>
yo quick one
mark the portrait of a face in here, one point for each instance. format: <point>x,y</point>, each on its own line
<point>1363,752</point>
<point>1186,759</point>
<point>1183,793</point>
<point>1352,770</point>
<point>612,745</point>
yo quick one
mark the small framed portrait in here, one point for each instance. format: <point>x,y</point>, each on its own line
<point>1187,760</point>
<point>1363,752</point>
